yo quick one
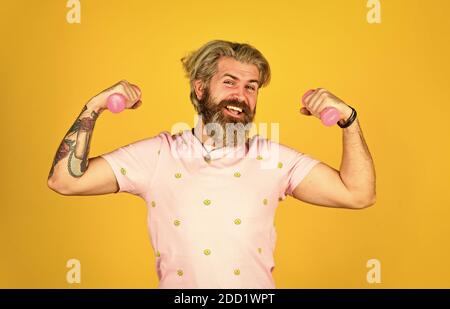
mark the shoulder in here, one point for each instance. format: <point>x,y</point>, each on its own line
<point>144,146</point>
<point>271,148</point>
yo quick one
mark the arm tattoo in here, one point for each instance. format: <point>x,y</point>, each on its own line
<point>76,144</point>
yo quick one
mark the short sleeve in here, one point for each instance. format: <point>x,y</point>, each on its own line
<point>298,167</point>
<point>134,165</point>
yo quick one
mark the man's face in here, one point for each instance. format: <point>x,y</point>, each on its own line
<point>232,93</point>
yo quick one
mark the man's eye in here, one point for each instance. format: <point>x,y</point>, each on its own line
<point>251,88</point>
<point>228,82</point>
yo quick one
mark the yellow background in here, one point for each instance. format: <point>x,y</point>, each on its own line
<point>396,74</point>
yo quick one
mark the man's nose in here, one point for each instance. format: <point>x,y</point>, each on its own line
<point>239,95</point>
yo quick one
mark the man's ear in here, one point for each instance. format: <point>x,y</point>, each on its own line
<point>198,88</point>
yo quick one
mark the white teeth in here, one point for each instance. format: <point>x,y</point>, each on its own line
<point>234,108</point>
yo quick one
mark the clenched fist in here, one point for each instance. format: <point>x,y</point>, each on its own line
<point>131,92</point>
<point>316,100</point>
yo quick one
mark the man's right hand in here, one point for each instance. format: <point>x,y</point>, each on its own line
<point>72,171</point>
<point>131,92</point>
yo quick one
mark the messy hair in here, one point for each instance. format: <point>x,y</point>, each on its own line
<point>202,63</point>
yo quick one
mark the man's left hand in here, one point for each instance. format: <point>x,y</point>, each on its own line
<point>316,100</point>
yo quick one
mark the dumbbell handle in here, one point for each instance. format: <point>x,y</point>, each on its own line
<point>329,116</point>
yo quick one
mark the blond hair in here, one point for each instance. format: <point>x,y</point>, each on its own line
<point>202,63</point>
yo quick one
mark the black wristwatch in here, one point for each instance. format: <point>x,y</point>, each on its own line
<point>350,119</point>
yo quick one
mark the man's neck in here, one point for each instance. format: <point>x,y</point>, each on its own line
<point>204,138</point>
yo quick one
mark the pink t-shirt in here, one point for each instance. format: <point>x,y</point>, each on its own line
<point>211,220</point>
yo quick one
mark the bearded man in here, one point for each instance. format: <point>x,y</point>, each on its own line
<point>212,191</point>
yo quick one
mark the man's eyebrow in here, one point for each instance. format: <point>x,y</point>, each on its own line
<point>236,78</point>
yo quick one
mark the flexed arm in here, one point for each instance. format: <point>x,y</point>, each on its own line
<point>69,173</point>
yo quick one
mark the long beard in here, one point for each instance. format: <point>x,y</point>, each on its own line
<point>222,128</point>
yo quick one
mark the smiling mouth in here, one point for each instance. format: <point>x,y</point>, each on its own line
<point>233,111</point>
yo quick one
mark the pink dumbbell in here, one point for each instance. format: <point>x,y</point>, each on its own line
<point>329,116</point>
<point>116,101</point>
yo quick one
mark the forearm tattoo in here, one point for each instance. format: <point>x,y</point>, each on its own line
<point>76,144</point>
